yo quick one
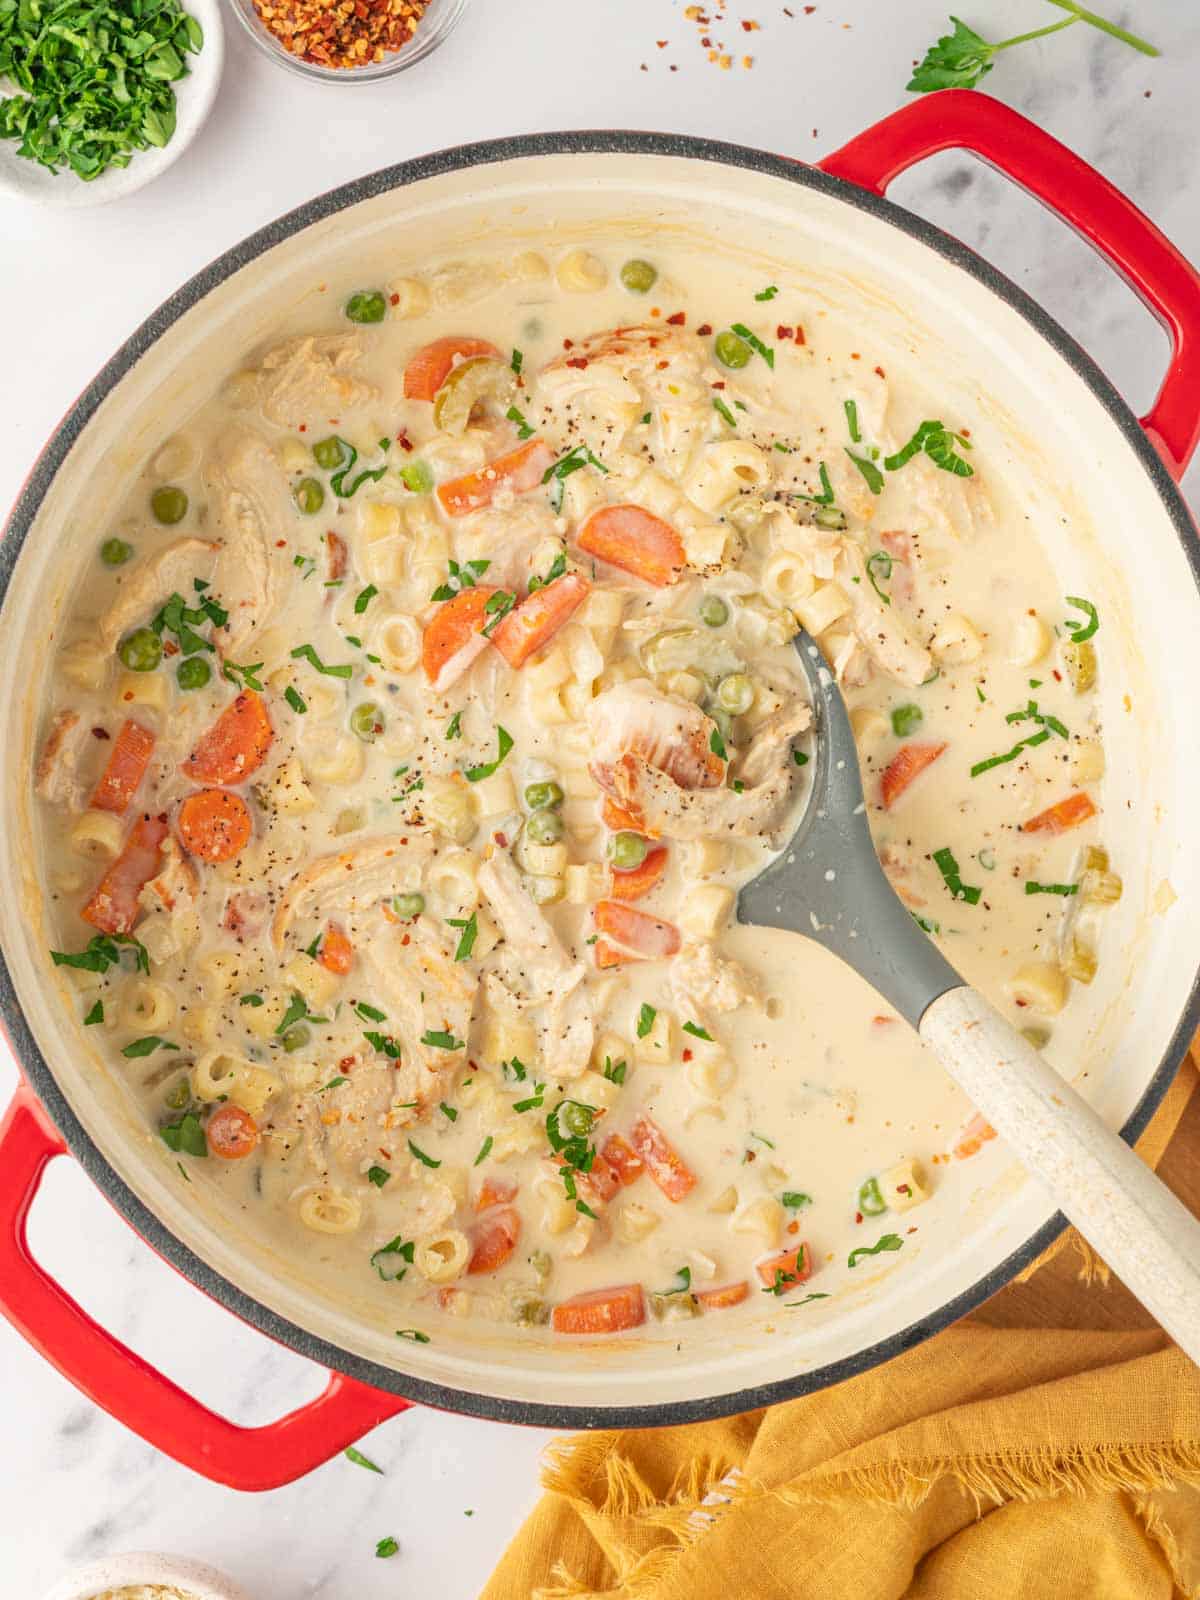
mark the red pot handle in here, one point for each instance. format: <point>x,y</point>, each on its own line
<point>113,1376</point>
<point>964,119</point>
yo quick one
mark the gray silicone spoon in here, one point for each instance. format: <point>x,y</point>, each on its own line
<point>829,886</point>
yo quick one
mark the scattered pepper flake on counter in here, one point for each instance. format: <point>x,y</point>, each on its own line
<point>344,34</point>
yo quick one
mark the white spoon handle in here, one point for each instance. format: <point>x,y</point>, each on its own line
<point>1148,1238</point>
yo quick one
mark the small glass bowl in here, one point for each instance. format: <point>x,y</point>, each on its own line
<point>436,25</point>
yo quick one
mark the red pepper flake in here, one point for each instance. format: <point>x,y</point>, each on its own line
<point>687,1055</point>
<point>679,320</point>
<point>303,427</point>
<point>661,43</point>
<point>501,839</point>
<point>704,329</point>
<point>281,544</point>
<point>783,331</point>
<point>568,344</point>
<point>578,361</point>
<point>394,299</point>
<point>661,366</point>
<point>799,335</point>
<point>404,442</point>
<point>858,1216</point>
<point>1058,677</point>
<point>854,356</point>
<point>880,373</point>
<point>717,383</point>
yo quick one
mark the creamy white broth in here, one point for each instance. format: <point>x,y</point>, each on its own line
<point>809,1088</point>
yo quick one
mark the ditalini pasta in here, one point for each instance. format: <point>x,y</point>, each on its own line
<point>413,732</point>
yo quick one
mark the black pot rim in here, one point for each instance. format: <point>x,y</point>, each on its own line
<point>17,529</point>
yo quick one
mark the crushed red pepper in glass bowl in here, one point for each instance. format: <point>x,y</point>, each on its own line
<point>348,41</point>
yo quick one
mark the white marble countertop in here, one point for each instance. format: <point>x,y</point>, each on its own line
<point>72,286</point>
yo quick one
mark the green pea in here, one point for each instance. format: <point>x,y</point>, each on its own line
<point>179,1094</point>
<point>714,613</point>
<point>367,721</point>
<point>538,796</point>
<point>639,277</point>
<point>627,850</point>
<point>367,305</point>
<point>115,552</point>
<point>831,518</point>
<point>329,453</point>
<point>906,719</point>
<point>417,476</point>
<point>545,827</point>
<point>731,350</point>
<point>193,673</point>
<point>169,504</point>
<point>575,1119</point>
<point>141,650</point>
<point>408,906</point>
<point>870,1199</point>
<point>530,1309</point>
<point>735,693</point>
<point>309,496</point>
<point>296,1037</point>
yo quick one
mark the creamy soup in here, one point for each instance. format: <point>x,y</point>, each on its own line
<point>424,709</point>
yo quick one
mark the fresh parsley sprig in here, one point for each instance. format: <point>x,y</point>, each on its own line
<point>958,60</point>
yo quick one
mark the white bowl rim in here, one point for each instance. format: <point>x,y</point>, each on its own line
<point>196,1579</point>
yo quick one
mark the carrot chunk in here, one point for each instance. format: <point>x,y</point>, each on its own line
<point>214,824</point>
<point>494,1238</point>
<point>125,770</point>
<point>723,1295</point>
<point>494,1191</point>
<point>114,906</point>
<point>455,636</point>
<point>662,1161</point>
<point>336,556</point>
<point>236,745</point>
<point>636,541</point>
<point>785,1270</point>
<point>520,470</point>
<point>336,953</point>
<point>232,1133</point>
<point>624,1160</point>
<point>428,370</point>
<point>607,955</point>
<point>641,937</point>
<point>1068,813</point>
<point>535,620</point>
<point>908,763</point>
<point>973,1138</point>
<point>637,882</point>
<point>601,1310</point>
<point>619,819</point>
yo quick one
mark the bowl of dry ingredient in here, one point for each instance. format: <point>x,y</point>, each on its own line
<point>146,1576</point>
<point>348,41</point>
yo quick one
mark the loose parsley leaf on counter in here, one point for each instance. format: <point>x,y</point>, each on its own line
<point>361,1460</point>
<point>386,1547</point>
<point>960,59</point>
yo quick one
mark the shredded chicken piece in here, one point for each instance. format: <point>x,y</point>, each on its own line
<point>353,880</point>
<point>251,494</point>
<point>177,883</point>
<point>672,735</point>
<point>702,980</point>
<point>56,778</point>
<point>878,625</point>
<point>310,381</point>
<point>152,583</point>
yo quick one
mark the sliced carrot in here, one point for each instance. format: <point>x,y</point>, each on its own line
<point>607,955</point>
<point>336,556</point>
<point>641,937</point>
<point>1068,813</point>
<point>908,763</point>
<point>454,637</point>
<point>795,1265</point>
<point>236,745</point>
<point>624,1160</point>
<point>125,770</point>
<point>662,1161</point>
<point>723,1295</point>
<point>973,1138</point>
<point>618,818</point>
<point>114,906</point>
<point>596,1187</point>
<point>232,1133</point>
<point>520,470</point>
<point>494,1192</point>
<point>601,1310</point>
<point>246,914</point>
<point>535,621</point>
<point>214,824</point>
<point>636,883</point>
<point>428,370</point>
<point>636,541</point>
<point>336,953</point>
<point>494,1238</point>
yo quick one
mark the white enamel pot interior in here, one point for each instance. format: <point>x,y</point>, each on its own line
<point>1032,398</point>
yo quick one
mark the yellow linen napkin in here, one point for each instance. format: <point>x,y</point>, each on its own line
<point>1048,1446</point>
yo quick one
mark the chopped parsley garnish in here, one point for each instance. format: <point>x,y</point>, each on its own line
<point>717,745</point>
<point>484,1150</point>
<point>1011,755</point>
<point>517,362</point>
<point>578,1156</point>
<point>615,1071</point>
<point>147,1046</point>
<point>514,1069</point>
<point>504,743</point>
<point>363,599</point>
<point>426,1161</point>
<point>524,431</point>
<point>755,343</point>
<point>720,407</point>
<point>697,1032</point>
<point>768,293</point>
<point>556,569</point>
<point>251,1000</point>
<point>470,932</point>
<point>378,1176</point>
<point>179,618</point>
<point>461,577</point>
<point>453,728</point>
<point>384,1044</point>
<point>101,952</point>
<point>1033,887</point>
<point>95,1015</point>
<point>334,1083</point>
<point>368,475</point>
<point>305,652</point>
<point>938,442</point>
<point>295,700</point>
<point>247,674</point>
<point>784,1280</point>
<point>297,1011</point>
<point>185,1135</point>
<point>799,757</point>
<point>1080,631</point>
<point>890,1241</point>
<point>795,1200</point>
<point>883,561</point>
<point>645,1020</point>
<point>762,1139</point>
<point>925,924</point>
<point>577,457</point>
<point>386,1547</point>
<point>497,606</point>
<point>683,1282</point>
<point>791,1305</point>
<point>361,1460</point>
<point>448,1111</point>
<point>438,1039</point>
<point>825,498</point>
<point>415,1335</point>
<point>533,1102</point>
<point>906,719</point>
<point>960,59</point>
<point>850,407</point>
<point>369,1013</point>
<point>1032,714</point>
<point>948,867</point>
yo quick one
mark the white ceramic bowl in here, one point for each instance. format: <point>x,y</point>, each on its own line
<point>195,1579</point>
<point>194,95</point>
